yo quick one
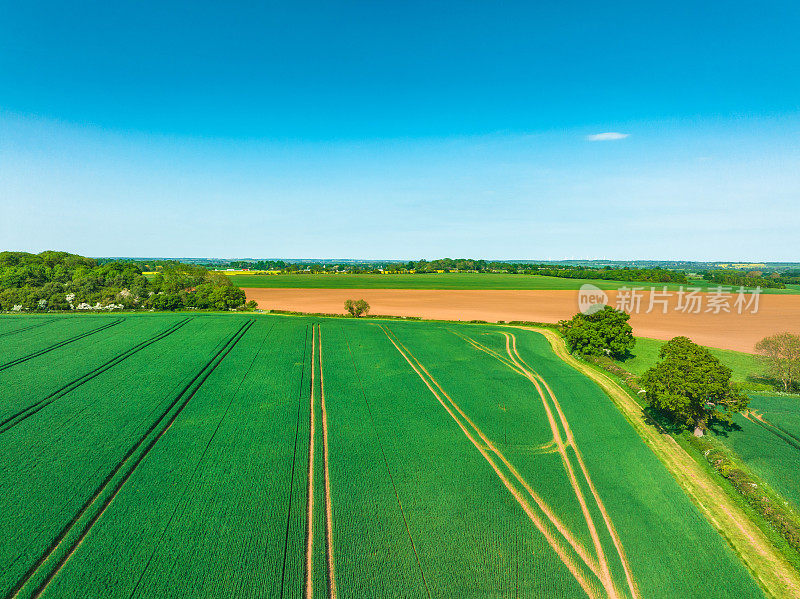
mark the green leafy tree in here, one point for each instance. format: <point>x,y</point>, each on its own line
<point>356,308</point>
<point>606,332</point>
<point>227,298</point>
<point>692,385</point>
<point>782,355</point>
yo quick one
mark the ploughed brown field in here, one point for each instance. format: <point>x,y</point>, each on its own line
<point>730,330</point>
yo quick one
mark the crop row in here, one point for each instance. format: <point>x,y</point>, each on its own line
<point>59,344</point>
<point>53,463</point>
<point>36,406</point>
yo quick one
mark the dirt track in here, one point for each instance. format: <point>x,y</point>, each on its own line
<point>725,330</point>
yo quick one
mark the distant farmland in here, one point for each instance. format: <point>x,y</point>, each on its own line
<point>447,281</point>
<point>265,456</point>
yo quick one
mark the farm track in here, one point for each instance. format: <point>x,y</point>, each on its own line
<point>487,447</point>
<point>332,593</point>
<point>518,365</point>
<point>774,574</point>
<point>294,463</point>
<point>309,584</point>
<point>50,348</point>
<point>32,409</point>
<point>388,469</point>
<point>318,380</point>
<point>35,581</point>
<point>28,328</point>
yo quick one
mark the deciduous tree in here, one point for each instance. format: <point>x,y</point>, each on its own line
<point>605,332</point>
<point>692,385</point>
<point>782,355</point>
<point>356,308</point>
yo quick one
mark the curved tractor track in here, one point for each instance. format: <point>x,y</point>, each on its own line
<point>590,572</point>
<point>775,575</point>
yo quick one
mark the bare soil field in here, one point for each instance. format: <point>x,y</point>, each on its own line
<point>730,330</point>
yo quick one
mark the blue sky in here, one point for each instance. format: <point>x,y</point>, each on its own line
<point>401,130</point>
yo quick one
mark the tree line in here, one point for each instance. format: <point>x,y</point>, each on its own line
<point>62,281</point>
<point>737,278</point>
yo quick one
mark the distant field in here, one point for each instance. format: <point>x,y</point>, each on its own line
<point>645,355</point>
<point>444,281</point>
<point>196,455</point>
<point>727,330</point>
<point>768,441</point>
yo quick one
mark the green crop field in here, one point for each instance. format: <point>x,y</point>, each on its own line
<point>236,455</point>
<point>767,439</point>
<point>447,281</point>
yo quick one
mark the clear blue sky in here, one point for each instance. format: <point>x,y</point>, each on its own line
<point>401,129</point>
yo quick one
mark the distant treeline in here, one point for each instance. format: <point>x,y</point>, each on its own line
<point>262,265</point>
<point>651,275</point>
<point>737,278</point>
<point>62,281</point>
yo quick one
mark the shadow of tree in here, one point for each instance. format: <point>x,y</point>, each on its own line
<point>720,428</point>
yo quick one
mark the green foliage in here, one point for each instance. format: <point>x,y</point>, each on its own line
<point>606,332</point>
<point>356,308</point>
<point>769,446</point>
<point>692,385</point>
<point>60,281</point>
<point>739,279</point>
<point>782,355</point>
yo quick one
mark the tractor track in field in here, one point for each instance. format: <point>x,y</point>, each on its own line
<point>309,582</point>
<point>774,574</point>
<point>552,540</point>
<point>32,409</point>
<point>318,376</point>
<point>294,462</point>
<point>571,441</point>
<point>516,363</point>
<point>72,535</point>
<point>28,328</point>
<point>332,591</point>
<point>772,428</point>
<point>562,529</point>
<point>180,502</point>
<point>388,469</point>
<point>50,348</point>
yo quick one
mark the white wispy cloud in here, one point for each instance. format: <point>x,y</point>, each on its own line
<point>608,136</point>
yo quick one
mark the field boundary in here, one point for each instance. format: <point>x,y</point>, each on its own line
<point>32,409</point>
<point>50,348</point>
<point>35,581</point>
<point>770,569</point>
